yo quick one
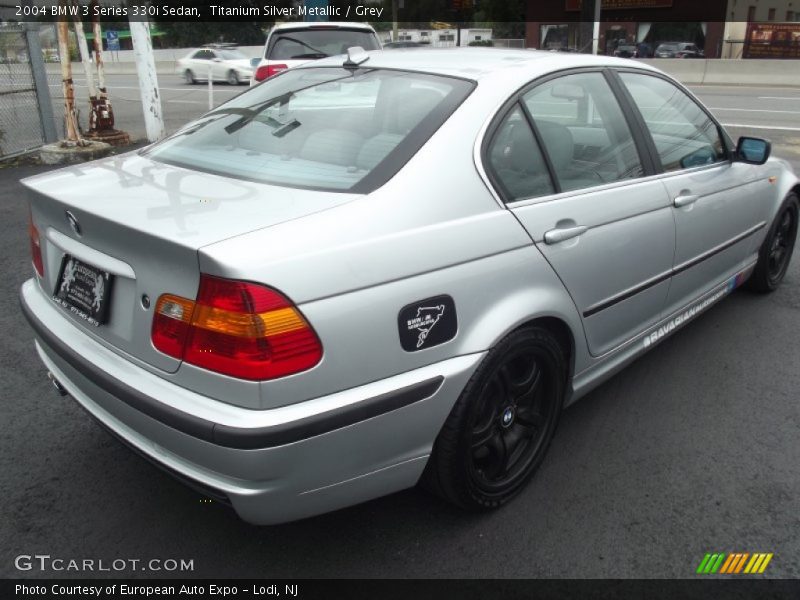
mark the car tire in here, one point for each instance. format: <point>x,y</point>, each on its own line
<point>776,251</point>
<point>500,428</point>
<point>188,77</point>
<point>233,78</point>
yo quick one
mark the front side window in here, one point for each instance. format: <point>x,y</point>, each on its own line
<point>583,131</point>
<point>683,133</point>
<point>320,128</point>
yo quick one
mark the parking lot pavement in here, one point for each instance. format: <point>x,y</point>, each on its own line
<point>692,449</point>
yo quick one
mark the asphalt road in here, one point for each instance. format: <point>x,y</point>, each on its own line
<point>692,449</point>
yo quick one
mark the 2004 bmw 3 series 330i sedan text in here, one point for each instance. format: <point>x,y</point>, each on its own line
<point>388,268</point>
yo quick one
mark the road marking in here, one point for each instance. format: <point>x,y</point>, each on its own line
<point>739,87</point>
<point>185,101</point>
<point>744,126</point>
<point>779,97</point>
<point>786,112</point>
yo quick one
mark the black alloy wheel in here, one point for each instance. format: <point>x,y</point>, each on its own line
<point>776,251</point>
<point>500,428</point>
<point>782,243</point>
<point>511,421</point>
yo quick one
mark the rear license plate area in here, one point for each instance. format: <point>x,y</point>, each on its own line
<point>84,290</point>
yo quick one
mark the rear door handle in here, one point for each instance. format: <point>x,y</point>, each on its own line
<point>554,236</point>
<point>686,200</point>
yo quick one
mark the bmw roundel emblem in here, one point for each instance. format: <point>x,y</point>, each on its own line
<point>73,223</point>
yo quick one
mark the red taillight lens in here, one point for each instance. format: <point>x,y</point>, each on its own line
<point>240,329</point>
<point>36,247</point>
<point>265,71</point>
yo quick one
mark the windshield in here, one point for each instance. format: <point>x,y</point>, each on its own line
<point>318,43</point>
<point>232,55</point>
<point>320,128</point>
<point>667,47</point>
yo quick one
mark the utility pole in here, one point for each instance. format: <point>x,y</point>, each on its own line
<point>394,20</point>
<point>148,80</point>
<point>596,29</point>
<point>70,119</point>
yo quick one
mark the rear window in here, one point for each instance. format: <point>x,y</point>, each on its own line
<point>323,128</point>
<point>305,44</point>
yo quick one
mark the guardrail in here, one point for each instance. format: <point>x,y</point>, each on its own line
<point>724,71</point>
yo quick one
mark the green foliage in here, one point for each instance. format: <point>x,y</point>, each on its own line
<point>481,43</point>
<point>189,34</point>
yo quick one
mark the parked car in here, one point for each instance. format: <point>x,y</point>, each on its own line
<point>223,61</point>
<point>626,51</point>
<point>290,45</point>
<point>379,269</point>
<point>678,50</point>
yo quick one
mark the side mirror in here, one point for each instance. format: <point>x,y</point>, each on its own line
<point>754,151</point>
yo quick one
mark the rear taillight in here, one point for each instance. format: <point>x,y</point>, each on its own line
<point>36,247</point>
<point>240,329</point>
<point>265,71</point>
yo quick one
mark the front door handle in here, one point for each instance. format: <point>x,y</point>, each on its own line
<point>686,200</point>
<point>554,236</point>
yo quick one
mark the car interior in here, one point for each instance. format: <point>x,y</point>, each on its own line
<point>329,135</point>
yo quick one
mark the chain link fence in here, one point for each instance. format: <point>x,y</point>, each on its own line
<point>21,127</point>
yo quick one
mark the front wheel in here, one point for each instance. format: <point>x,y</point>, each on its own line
<point>500,428</point>
<point>188,77</point>
<point>776,251</point>
<point>233,78</point>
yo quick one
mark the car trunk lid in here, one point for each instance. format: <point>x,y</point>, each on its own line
<point>143,222</point>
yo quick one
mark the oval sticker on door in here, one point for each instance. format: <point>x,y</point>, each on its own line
<point>427,323</point>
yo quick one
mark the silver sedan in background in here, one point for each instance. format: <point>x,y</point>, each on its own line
<point>392,268</point>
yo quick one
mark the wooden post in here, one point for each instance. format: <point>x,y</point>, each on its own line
<point>98,52</point>
<point>70,119</point>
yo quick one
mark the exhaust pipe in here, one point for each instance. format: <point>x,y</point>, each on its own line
<point>59,388</point>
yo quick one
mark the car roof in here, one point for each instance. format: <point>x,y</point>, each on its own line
<point>323,25</point>
<point>481,63</point>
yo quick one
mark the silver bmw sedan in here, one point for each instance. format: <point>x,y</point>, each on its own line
<point>388,268</point>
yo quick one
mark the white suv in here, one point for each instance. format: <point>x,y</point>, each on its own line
<point>292,44</point>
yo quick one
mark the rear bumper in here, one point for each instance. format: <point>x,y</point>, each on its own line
<point>271,465</point>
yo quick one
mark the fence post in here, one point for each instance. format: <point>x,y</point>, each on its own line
<point>43,99</point>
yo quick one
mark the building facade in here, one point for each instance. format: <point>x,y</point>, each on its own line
<point>762,28</point>
<point>554,25</point>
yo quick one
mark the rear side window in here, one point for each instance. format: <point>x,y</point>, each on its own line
<point>683,133</point>
<point>320,128</point>
<point>516,161</point>
<point>583,131</point>
<point>309,44</point>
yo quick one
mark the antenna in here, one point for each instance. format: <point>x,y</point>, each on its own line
<point>356,55</point>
